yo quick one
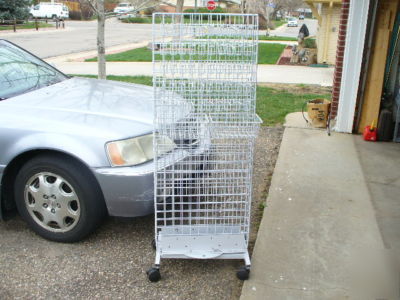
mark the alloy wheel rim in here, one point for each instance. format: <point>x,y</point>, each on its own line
<point>52,202</point>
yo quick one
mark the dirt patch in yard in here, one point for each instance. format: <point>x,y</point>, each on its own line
<point>266,154</point>
<point>111,263</point>
<point>299,89</point>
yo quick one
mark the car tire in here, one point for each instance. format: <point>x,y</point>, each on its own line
<point>59,198</point>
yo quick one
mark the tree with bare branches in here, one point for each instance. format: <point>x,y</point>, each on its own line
<point>98,7</point>
<point>179,6</point>
<point>288,5</point>
<point>139,5</point>
<point>293,4</point>
<point>268,8</point>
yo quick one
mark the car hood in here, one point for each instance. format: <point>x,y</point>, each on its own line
<point>81,106</point>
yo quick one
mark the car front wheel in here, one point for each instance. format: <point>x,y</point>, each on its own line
<point>59,198</point>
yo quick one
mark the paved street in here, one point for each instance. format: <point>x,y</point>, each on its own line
<point>77,37</point>
<point>80,36</point>
<point>312,26</point>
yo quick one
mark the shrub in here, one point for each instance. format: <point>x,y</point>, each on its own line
<point>137,20</point>
<point>205,10</point>
<point>310,43</point>
<point>148,11</point>
<point>18,9</point>
<point>86,11</point>
<point>75,15</point>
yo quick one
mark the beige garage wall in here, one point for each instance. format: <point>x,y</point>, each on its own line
<point>327,34</point>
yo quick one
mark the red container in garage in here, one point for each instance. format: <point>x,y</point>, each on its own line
<point>370,133</point>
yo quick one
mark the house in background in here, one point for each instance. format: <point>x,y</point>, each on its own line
<point>328,16</point>
<point>80,10</point>
<point>303,11</point>
<point>169,5</point>
<point>73,5</point>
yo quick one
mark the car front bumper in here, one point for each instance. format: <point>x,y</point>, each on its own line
<point>129,191</point>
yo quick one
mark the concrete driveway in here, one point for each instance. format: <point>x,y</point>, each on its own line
<point>331,226</point>
<point>78,36</point>
<point>111,263</point>
<point>381,166</point>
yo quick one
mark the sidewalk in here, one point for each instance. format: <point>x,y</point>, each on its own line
<point>319,237</point>
<point>75,64</point>
<point>266,73</point>
<point>279,42</point>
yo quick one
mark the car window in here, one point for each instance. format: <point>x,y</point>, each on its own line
<point>123,5</point>
<point>21,72</point>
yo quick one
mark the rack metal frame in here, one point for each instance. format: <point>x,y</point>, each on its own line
<point>205,126</point>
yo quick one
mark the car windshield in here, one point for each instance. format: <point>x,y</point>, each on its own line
<point>21,72</point>
<point>123,5</point>
<point>292,19</point>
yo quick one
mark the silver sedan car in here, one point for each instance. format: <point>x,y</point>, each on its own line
<point>72,150</point>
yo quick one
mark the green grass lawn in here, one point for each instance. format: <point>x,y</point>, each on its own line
<point>260,37</point>
<point>29,25</point>
<point>267,54</point>
<point>273,104</point>
<point>138,54</point>
<point>276,38</point>
<point>138,20</point>
<point>149,20</point>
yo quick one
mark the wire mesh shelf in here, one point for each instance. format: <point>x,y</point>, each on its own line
<point>204,80</point>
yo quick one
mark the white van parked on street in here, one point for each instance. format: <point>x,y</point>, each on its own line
<point>50,10</point>
<point>123,8</point>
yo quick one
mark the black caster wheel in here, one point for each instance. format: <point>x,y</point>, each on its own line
<point>153,244</point>
<point>243,273</point>
<point>153,274</point>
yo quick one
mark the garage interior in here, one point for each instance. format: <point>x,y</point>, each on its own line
<point>378,98</point>
<point>378,101</point>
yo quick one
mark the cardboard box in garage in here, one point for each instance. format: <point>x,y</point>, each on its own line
<point>318,112</point>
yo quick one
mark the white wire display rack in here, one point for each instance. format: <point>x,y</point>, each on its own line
<point>204,79</point>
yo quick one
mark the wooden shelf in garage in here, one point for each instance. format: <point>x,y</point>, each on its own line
<point>386,16</point>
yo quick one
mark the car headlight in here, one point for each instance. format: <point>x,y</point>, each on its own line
<point>134,151</point>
